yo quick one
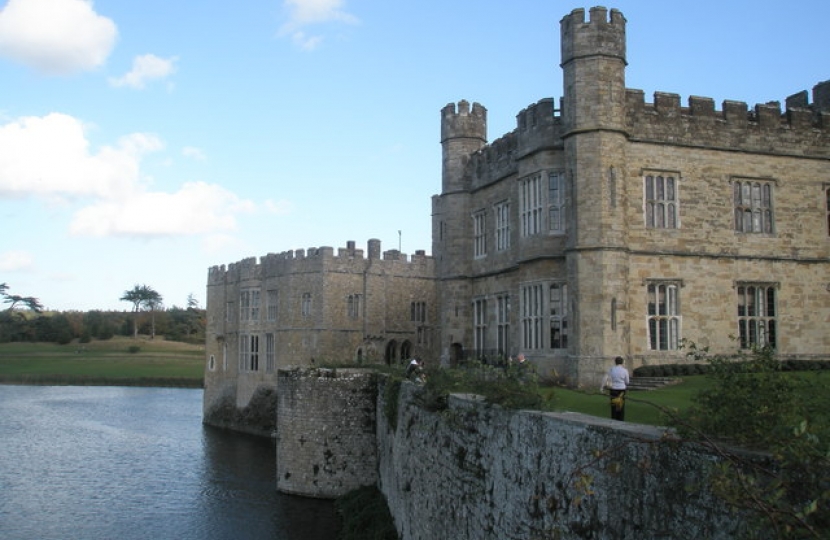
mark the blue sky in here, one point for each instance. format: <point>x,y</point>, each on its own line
<point>143,142</point>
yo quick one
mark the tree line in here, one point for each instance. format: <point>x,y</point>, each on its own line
<point>24,319</point>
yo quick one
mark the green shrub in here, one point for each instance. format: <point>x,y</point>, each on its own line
<point>751,402</point>
<point>133,349</point>
<point>514,386</point>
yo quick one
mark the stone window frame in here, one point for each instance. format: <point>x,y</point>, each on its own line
<point>305,304</point>
<point>531,204</point>
<point>248,352</point>
<point>531,302</point>
<point>270,352</point>
<point>503,322</point>
<point>480,323</point>
<point>502,220</point>
<point>249,298</point>
<point>558,316</point>
<point>661,198</point>
<point>272,299</point>
<point>664,325</point>
<point>753,203</point>
<point>557,202</point>
<point>353,306</point>
<point>541,313</point>
<point>479,234</point>
<point>418,312</point>
<point>757,313</point>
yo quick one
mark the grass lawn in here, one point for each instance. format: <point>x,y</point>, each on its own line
<point>642,406</point>
<point>166,363</point>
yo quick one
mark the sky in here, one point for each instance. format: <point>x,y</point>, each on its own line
<point>143,142</point>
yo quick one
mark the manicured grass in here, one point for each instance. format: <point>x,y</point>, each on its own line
<point>643,407</point>
<point>156,362</point>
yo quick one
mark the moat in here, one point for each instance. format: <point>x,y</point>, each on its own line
<point>135,463</point>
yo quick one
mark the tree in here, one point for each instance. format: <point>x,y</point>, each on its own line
<point>142,296</point>
<point>30,302</point>
<point>152,300</point>
<point>752,403</point>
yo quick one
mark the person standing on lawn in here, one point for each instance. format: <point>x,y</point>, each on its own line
<point>617,381</point>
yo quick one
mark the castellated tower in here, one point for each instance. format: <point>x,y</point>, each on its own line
<point>463,133</point>
<point>593,63</point>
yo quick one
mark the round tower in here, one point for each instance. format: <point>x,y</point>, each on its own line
<point>463,132</point>
<point>593,64</point>
<point>595,143</point>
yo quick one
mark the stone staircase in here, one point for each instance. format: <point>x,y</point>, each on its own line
<point>650,383</point>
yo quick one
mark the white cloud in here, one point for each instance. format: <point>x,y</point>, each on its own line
<point>56,37</point>
<point>304,13</point>
<point>16,261</point>
<point>194,153</point>
<point>197,208</point>
<point>50,158</point>
<point>146,68</point>
<point>50,155</point>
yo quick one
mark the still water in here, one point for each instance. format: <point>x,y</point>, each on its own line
<point>100,463</point>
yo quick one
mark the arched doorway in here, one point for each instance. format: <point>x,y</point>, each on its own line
<point>391,353</point>
<point>406,350</point>
<point>456,354</point>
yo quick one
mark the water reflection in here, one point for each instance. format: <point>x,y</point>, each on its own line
<point>123,463</point>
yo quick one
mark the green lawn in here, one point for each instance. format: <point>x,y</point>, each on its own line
<point>643,407</point>
<point>103,362</point>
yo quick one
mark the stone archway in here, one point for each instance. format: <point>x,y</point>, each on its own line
<point>456,354</point>
<point>406,350</point>
<point>391,353</point>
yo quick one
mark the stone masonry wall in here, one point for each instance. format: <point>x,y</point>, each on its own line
<point>325,431</point>
<point>476,471</point>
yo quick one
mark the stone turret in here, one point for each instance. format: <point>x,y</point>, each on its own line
<point>594,51</point>
<point>463,132</point>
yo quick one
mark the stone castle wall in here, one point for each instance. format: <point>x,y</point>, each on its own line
<point>476,471</point>
<point>326,443</point>
<point>359,311</point>
<point>604,138</point>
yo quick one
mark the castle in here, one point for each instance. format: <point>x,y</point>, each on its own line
<point>602,225</point>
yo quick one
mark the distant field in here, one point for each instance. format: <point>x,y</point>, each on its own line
<point>156,363</point>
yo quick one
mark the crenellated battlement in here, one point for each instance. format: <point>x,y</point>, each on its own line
<point>311,259</point>
<point>463,121</point>
<point>803,128</point>
<point>538,127</point>
<point>665,120</point>
<point>601,35</point>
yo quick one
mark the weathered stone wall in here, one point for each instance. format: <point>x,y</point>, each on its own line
<point>325,431</point>
<point>476,471</point>
<point>605,139</point>
<point>360,312</point>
